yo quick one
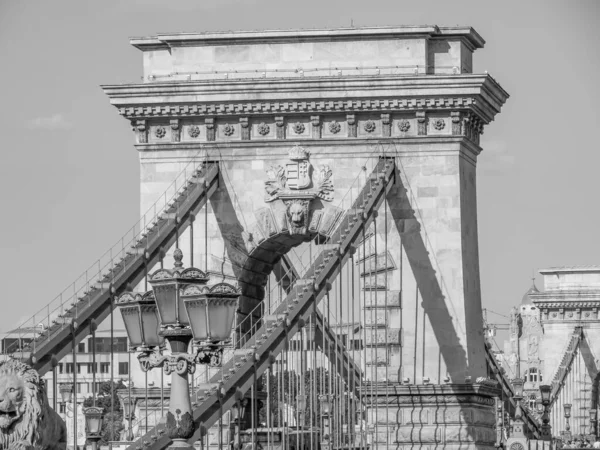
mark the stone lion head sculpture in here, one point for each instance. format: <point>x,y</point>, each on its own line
<point>296,213</point>
<point>26,419</point>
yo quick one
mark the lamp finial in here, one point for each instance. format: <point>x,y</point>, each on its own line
<point>178,256</point>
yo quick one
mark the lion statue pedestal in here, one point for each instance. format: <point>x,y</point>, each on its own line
<point>26,419</point>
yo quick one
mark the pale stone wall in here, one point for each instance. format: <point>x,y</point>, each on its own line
<point>437,180</point>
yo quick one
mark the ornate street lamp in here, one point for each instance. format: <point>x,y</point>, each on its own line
<point>237,415</point>
<point>161,313</point>
<point>326,442</point>
<point>301,401</point>
<point>517,428</point>
<point>594,422</point>
<point>66,392</point>
<point>545,391</point>
<point>499,423</point>
<point>567,408</point>
<point>211,311</point>
<point>518,395</point>
<point>128,404</point>
<point>93,425</point>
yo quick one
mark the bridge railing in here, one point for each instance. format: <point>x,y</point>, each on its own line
<point>62,309</point>
<point>530,420</point>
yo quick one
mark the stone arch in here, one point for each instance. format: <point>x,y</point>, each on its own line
<point>269,238</point>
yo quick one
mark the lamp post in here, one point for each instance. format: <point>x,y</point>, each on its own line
<point>93,425</point>
<point>499,423</point>
<point>66,392</point>
<point>567,432</point>
<point>545,391</point>
<point>238,411</point>
<point>326,442</point>
<point>594,423</point>
<point>517,430</point>
<point>179,308</point>
<point>128,404</point>
<point>301,402</point>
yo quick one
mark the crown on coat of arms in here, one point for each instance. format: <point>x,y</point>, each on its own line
<point>298,153</point>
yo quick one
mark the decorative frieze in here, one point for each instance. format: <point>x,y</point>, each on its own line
<point>459,123</point>
<point>307,107</point>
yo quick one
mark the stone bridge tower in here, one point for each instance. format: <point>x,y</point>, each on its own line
<point>329,99</point>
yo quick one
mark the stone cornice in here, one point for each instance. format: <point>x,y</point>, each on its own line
<point>480,94</point>
<point>568,305</point>
<point>167,41</point>
<point>430,393</point>
<point>568,298</point>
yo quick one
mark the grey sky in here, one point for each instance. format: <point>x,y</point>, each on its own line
<point>69,177</point>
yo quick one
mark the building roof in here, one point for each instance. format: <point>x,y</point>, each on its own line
<point>526,297</point>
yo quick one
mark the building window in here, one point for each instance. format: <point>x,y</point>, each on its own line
<point>532,402</point>
<point>104,367</point>
<point>60,368</point>
<point>123,368</point>
<point>91,368</point>
<point>103,345</point>
<point>532,375</point>
<point>69,367</point>
<point>81,347</point>
<point>79,368</point>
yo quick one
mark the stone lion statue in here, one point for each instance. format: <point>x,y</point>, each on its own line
<point>26,419</point>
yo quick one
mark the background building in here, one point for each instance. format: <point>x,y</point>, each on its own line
<point>554,338</point>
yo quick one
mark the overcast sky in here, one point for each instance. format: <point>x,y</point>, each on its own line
<point>69,176</point>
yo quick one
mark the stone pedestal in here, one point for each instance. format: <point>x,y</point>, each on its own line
<point>450,416</point>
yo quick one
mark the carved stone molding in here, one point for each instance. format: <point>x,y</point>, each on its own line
<point>210,129</point>
<point>245,128</point>
<point>404,125</point>
<point>160,132</point>
<point>141,131</point>
<point>280,125</point>
<point>316,126</point>
<point>472,127</point>
<point>386,125</point>
<point>334,127</point>
<point>263,129</point>
<point>352,127</point>
<point>456,123</point>
<point>175,130</point>
<point>194,131</point>
<point>421,123</point>
<point>325,106</point>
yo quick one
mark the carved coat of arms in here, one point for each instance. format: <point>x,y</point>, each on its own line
<point>293,184</point>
